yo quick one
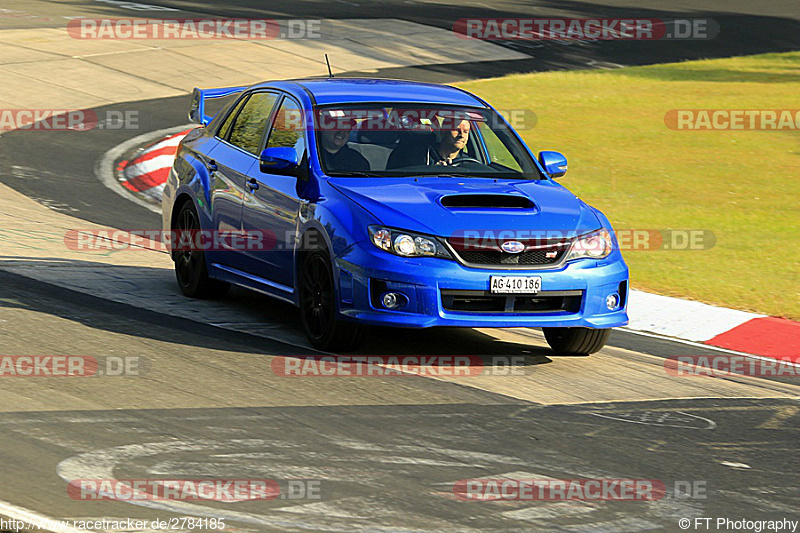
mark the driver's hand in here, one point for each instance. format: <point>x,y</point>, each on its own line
<point>444,162</point>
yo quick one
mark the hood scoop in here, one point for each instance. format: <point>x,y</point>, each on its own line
<point>493,201</point>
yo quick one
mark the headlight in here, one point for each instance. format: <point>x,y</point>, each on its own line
<point>595,245</point>
<point>406,243</point>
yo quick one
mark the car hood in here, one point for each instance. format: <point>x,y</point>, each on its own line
<point>417,204</point>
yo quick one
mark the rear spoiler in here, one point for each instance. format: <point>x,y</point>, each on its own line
<point>197,107</point>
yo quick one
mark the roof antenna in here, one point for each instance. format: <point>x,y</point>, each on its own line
<point>330,73</point>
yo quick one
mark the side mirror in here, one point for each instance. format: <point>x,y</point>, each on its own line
<point>279,160</point>
<point>554,163</point>
<point>195,107</point>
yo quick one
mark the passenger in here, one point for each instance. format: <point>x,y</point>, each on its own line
<point>336,155</point>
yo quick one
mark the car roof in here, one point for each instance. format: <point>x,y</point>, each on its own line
<point>327,91</point>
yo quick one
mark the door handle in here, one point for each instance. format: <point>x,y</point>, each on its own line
<point>252,184</point>
<point>212,166</point>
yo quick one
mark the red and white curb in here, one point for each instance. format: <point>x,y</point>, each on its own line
<point>135,185</point>
<point>147,173</point>
<point>730,329</point>
<point>144,177</point>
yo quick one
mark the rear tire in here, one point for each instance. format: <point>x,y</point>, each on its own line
<point>323,328</point>
<point>576,341</point>
<point>191,270</point>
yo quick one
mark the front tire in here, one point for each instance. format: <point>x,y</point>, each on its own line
<point>318,307</point>
<point>191,270</point>
<point>576,341</point>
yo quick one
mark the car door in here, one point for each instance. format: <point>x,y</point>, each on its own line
<point>231,162</point>
<point>272,208</point>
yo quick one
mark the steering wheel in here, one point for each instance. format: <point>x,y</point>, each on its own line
<point>457,161</point>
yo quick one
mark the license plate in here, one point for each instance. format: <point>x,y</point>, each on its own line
<point>515,284</point>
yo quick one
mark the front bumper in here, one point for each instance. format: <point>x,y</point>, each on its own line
<point>422,281</point>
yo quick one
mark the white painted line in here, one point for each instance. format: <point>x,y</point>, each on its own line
<point>34,519</point>
<point>126,51</point>
<point>104,168</point>
<point>704,346</point>
<point>330,509</point>
<point>710,423</point>
<point>652,400</point>
<point>735,465</point>
<point>136,6</point>
<point>100,464</point>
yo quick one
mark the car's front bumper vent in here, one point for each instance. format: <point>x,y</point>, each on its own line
<point>464,301</point>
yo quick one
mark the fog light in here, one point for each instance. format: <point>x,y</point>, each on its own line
<point>393,300</point>
<point>612,301</point>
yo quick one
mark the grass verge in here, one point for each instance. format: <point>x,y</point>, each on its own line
<point>741,185</point>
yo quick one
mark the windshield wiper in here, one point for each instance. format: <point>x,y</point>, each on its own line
<point>357,173</point>
<point>454,175</point>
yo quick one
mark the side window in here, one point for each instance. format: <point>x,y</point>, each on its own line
<point>471,149</point>
<point>288,130</point>
<point>225,129</point>
<point>252,121</point>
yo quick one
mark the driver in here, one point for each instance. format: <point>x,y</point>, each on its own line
<point>450,146</point>
<point>446,149</point>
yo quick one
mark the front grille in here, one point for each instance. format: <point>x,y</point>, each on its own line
<point>489,252</point>
<point>529,258</point>
<point>486,302</point>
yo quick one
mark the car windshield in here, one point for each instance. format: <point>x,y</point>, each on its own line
<point>402,140</point>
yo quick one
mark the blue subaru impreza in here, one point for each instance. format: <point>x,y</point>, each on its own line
<point>367,201</point>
